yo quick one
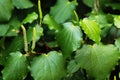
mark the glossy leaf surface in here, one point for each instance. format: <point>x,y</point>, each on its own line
<point>48,66</point>
<point>16,67</point>
<point>69,38</point>
<point>63,10</point>
<point>98,60</point>
<point>92,29</point>
<point>30,18</point>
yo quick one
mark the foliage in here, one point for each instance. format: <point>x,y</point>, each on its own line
<point>59,39</point>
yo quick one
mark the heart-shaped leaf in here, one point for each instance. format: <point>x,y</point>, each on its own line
<point>48,66</point>
<point>91,28</point>
<point>16,67</point>
<point>69,38</point>
<point>63,10</point>
<point>98,60</point>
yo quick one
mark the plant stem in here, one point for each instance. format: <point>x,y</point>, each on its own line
<point>25,39</point>
<point>40,11</point>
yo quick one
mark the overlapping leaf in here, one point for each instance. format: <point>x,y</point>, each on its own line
<point>63,10</point>
<point>91,3</point>
<point>22,4</point>
<point>39,33</point>
<point>98,60</point>
<point>102,20</point>
<point>51,22</point>
<point>11,28</point>
<point>92,29</point>
<point>5,10</point>
<point>117,21</point>
<point>48,66</point>
<point>16,67</point>
<point>117,43</point>
<point>30,18</point>
<point>69,38</point>
<point>72,67</point>
<point>115,6</point>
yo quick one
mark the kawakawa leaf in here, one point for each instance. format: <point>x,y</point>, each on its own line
<point>6,8</point>
<point>52,24</point>
<point>30,18</point>
<point>22,4</point>
<point>98,60</point>
<point>69,38</point>
<point>117,43</point>
<point>92,29</point>
<point>62,10</point>
<point>48,66</point>
<point>117,21</point>
<point>16,67</point>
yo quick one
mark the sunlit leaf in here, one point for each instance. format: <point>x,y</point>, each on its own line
<point>62,10</point>
<point>92,29</point>
<point>48,66</point>
<point>117,21</point>
<point>16,67</point>
<point>22,4</point>
<point>69,38</point>
<point>5,10</point>
<point>98,60</point>
<point>30,18</point>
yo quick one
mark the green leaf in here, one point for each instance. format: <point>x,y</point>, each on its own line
<point>90,3</point>
<point>2,40</point>
<point>117,43</point>
<point>11,28</point>
<point>69,38</point>
<point>102,20</point>
<point>30,18</point>
<point>5,10</point>
<point>39,33</point>
<point>72,67</point>
<point>22,4</point>
<point>52,24</point>
<point>117,21</point>
<point>91,29</point>
<point>48,66</point>
<point>63,10</point>
<point>16,67</point>
<point>115,6</point>
<point>98,60</point>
